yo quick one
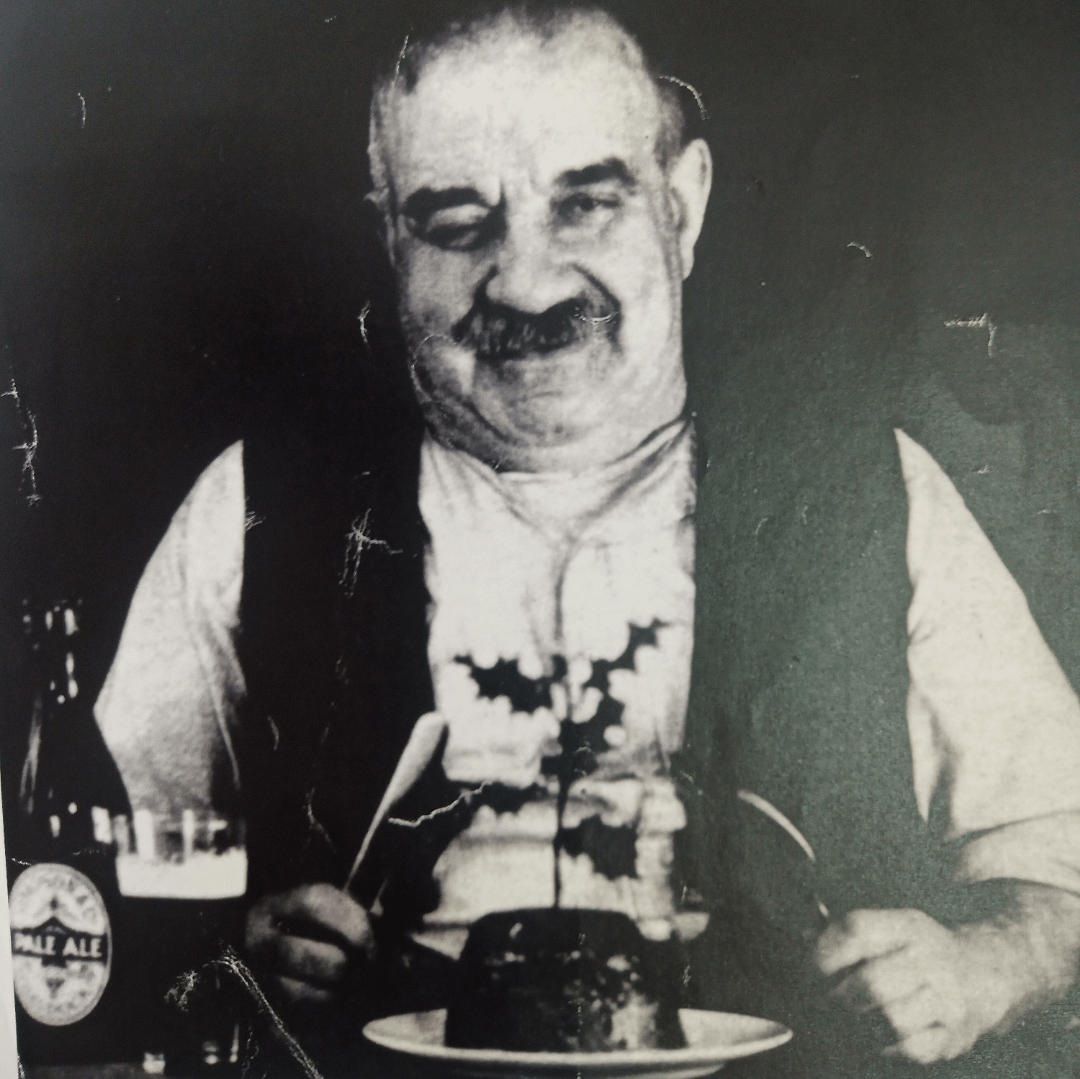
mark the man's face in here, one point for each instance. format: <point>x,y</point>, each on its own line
<point>540,246</point>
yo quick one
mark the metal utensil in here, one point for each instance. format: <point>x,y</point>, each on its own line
<point>774,814</point>
<point>419,750</point>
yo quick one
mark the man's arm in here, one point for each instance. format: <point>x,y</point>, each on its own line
<point>168,702</point>
<point>168,708</point>
<point>995,735</point>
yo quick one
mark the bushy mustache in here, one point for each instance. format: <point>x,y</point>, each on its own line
<point>497,332</point>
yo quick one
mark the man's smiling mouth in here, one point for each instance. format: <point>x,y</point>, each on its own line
<point>497,333</point>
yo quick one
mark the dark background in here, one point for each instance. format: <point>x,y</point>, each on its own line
<point>184,251</point>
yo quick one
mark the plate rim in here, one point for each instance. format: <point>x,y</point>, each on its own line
<point>607,1061</point>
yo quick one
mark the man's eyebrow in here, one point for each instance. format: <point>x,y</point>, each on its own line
<point>611,169</point>
<point>427,201</point>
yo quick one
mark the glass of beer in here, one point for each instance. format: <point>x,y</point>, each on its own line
<point>193,854</point>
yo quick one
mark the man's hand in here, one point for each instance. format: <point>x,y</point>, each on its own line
<point>942,989</point>
<point>307,940</point>
<point>917,973</point>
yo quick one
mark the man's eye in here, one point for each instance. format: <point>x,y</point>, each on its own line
<point>582,207</point>
<point>455,230</point>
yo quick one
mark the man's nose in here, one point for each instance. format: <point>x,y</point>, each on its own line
<point>529,271</point>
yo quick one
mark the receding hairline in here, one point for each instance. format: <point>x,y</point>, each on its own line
<point>544,24</point>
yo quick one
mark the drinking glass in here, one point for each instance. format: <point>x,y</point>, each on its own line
<point>195,854</point>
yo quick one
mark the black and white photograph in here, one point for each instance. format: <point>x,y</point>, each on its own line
<point>540,539</point>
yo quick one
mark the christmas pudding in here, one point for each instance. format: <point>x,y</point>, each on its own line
<point>558,980</point>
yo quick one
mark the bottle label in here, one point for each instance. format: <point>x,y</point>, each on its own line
<point>61,944</point>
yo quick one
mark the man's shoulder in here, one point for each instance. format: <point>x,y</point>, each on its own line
<point>212,513</point>
<point>1001,417</point>
<point>220,479</point>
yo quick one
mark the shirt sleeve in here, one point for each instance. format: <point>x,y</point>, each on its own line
<point>168,702</point>
<point>994,723</point>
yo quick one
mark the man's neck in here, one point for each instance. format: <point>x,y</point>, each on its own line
<point>563,506</point>
<point>592,455</point>
<point>596,449</point>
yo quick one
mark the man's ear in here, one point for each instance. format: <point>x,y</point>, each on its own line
<point>690,180</point>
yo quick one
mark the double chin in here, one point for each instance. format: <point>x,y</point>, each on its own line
<point>568,410</point>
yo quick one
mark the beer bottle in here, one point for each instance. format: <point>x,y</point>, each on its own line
<point>76,979</point>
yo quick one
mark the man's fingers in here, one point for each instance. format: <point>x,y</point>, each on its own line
<point>880,982</point>
<point>294,991</point>
<point>260,930</point>
<point>322,912</point>
<point>928,1046</point>
<point>867,934</point>
<point>310,961</point>
<point>914,1013</point>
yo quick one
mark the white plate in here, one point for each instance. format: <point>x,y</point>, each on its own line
<point>714,1038</point>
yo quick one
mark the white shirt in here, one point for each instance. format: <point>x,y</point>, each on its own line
<point>527,568</point>
<point>562,575</point>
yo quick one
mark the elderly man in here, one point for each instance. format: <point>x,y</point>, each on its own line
<point>601,648</point>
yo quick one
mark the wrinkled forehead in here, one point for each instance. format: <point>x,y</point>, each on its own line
<point>511,99</point>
